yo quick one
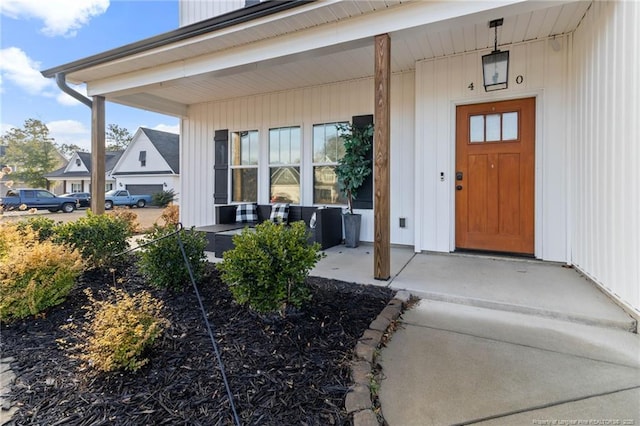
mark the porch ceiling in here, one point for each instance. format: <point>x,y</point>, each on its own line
<point>337,59</point>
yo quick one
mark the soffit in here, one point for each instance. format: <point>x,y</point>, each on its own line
<point>539,20</point>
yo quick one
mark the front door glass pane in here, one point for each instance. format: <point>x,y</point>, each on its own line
<point>476,125</point>
<point>493,127</point>
<point>510,126</point>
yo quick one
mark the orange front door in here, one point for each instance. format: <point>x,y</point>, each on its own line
<point>494,181</point>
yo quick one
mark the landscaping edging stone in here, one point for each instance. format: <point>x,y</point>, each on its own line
<point>358,401</point>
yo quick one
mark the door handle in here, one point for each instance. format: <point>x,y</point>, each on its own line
<point>459,187</point>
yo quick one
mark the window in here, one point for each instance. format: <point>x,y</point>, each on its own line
<point>244,166</point>
<point>78,162</point>
<point>284,165</point>
<point>497,127</point>
<point>44,194</point>
<point>108,187</point>
<point>143,158</point>
<point>328,148</point>
<point>76,187</point>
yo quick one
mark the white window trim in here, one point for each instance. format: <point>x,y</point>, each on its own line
<point>242,166</point>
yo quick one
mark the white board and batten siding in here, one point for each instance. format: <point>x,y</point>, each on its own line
<point>300,107</point>
<point>197,10</point>
<point>605,149</point>
<point>444,83</point>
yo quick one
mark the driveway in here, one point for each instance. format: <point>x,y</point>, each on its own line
<point>147,216</point>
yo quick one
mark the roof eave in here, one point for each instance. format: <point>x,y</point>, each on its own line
<point>216,23</point>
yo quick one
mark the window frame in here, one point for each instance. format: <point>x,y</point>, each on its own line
<point>142,157</point>
<point>286,165</point>
<point>341,201</point>
<point>233,167</point>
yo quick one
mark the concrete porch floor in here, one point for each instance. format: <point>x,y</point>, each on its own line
<point>545,289</point>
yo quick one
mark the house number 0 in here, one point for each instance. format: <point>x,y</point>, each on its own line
<point>519,79</point>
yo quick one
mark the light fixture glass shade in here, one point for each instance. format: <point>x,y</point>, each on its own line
<point>495,69</point>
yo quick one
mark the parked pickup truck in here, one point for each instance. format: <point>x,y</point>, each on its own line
<point>121,197</point>
<point>36,199</point>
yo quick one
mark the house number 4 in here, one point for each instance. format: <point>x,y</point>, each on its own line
<point>470,86</point>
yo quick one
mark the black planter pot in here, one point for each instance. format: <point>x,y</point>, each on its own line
<point>352,229</point>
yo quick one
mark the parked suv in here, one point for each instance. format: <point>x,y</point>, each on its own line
<point>83,199</point>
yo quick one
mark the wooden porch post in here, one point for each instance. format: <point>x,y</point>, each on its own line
<point>381,175</point>
<point>97,155</point>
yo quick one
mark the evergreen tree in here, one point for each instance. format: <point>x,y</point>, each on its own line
<point>118,138</point>
<point>32,151</point>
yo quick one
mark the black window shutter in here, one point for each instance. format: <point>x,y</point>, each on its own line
<point>221,167</point>
<point>364,195</point>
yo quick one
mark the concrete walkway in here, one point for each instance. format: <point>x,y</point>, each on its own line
<point>500,342</point>
<point>458,364</point>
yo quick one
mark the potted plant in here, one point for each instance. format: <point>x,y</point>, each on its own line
<point>351,171</point>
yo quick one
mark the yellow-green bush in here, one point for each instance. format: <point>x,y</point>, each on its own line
<point>118,333</point>
<point>34,275</point>
<point>9,237</point>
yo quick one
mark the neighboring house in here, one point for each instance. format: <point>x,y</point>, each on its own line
<point>150,163</point>
<point>548,166</point>
<point>76,175</point>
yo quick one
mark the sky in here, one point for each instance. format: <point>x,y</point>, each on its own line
<point>40,34</point>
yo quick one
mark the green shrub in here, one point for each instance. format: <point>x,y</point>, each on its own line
<point>35,275</point>
<point>163,198</point>
<point>162,262</point>
<point>118,334</point>
<point>43,226</point>
<point>267,268</point>
<point>98,237</point>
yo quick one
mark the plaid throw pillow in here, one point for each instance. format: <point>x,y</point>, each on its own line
<point>280,213</point>
<point>246,213</point>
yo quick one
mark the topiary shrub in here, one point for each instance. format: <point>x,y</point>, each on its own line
<point>118,333</point>
<point>162,262</point>
<point>268,268</point>
<point>163,198</point>
<point>35,275</point>
<point>98,237</point>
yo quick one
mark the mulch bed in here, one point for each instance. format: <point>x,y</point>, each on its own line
<point>282,371</point>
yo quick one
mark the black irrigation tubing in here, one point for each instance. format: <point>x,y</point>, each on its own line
<point>204,312</point>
